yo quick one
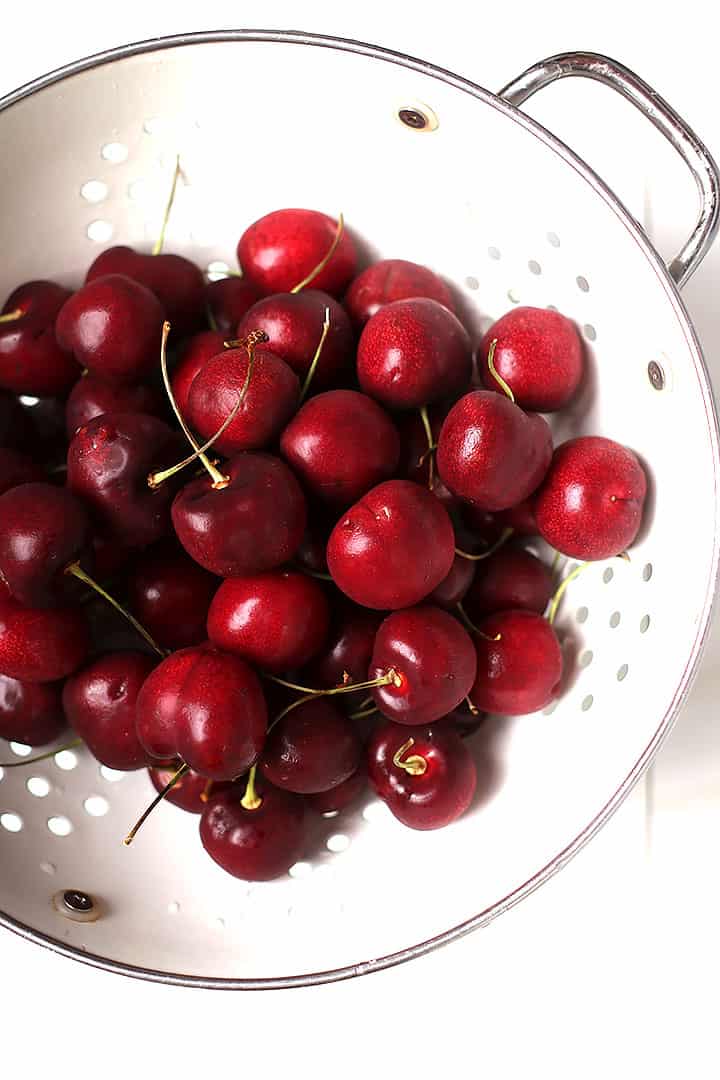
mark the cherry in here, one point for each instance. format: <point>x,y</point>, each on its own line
<point>112,326</point>
<point>227,301</point>
<point>99,702</point>
<point>46,442</point>
<point>509,579</point>
<point>254,522</point>
<point>254,844</point>
<point>38,644</point>
<point>279,251</point>
<point>176,282</point>
<point>390,280</point>
<point>348,649</point>
<point>466,723</point>
<point>293,323</point>
<point>519,663</point>
<point>393,547</point>
<point>108,556</point>
<point>170,595</point>
<point>108,464</point>
<point>31,359</point>
<point>426,775</point>
<point>492,453</point>
<point>16,469</point>
<point>417,455</point>
<point>342,795</point>
<point>207,708</point>
<point>312,748</point>
<point>591,503</point>
<point>193,357</point>
<point>538,353</point>
<point>434,659</point>
<point>191,792</point>
<point>15,426</point>
<point>341,444</point>
<point>311,553</point>
<point>452,589</point>
<point>30,713</point>
<point>271,399</point>
<point>92,396</point>
<point>277,620</point>
<point>520,518</point>
<point>413,352</point>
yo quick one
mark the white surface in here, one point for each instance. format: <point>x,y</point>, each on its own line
<point>601,972</point>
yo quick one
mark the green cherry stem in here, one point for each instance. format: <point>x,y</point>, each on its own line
<point>414,765</point>
<point>316,357</point>
<point>326,258</point>
<point>432,447</point>
<point>12,316</point>
<point>157,249</point>
<point>41,757</point>
<point>75,570</point>
<point>470,625</point>
<point>251,800</point>
<point>391,676</point>
<point>562,587</point>
<point>502,539</point>
<point>158,799</point>
<point>498,378</point>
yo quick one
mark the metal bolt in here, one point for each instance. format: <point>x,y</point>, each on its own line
<point>77,902</point>
<point>413,118</point>
<point>656,375</point>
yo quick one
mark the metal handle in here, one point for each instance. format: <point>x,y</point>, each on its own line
<point>695,155</point>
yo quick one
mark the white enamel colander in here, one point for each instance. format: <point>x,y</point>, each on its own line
<point>264,120</point>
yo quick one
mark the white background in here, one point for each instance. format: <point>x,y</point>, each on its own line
<point>610,969</point>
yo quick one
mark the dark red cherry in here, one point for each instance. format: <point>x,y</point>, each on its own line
<point>228,299</point>
<point>415,454</point>
<point>538,353</point>
<point>107,555</point>
<point>348,649</point>
<point>255,845</point>
<point>390,280</point>
<point>591,503</point>
<point>31,359</point>
<point>99,702</point>
<point>113,327</point>
<point>341,444</point>
<point>255,523</point>
<point>466,723</point>
<point>520,518</point>
<point>191,792</point>
<point>176,282</point>
<point>313,748</point>
<point>294,325</point>
<point>277,252</point>
<point>44,528</point>
<point>92,396</point>
<point>310,556</point>
<point>509,579</point>
<point>194,355</point>
<point>433,658</point>
<point>270,400</point>
<point>393,547</point>
<point>413,352</point>
<point>157,703</point>
<point>492,453</point>
<point>15,427</point>
<point>16,469</point>
<point>342,795</point>
<point>170,596</point>
<point>426,775</point>
<point>46,442</point>
<point>41,644</point>
<point>452,589</point>
<point>108,465</point>
<point>277,620</point>
<point>30,713</point>
<point>519,663</point>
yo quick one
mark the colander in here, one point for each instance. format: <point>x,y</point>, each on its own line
<point>429,167</point>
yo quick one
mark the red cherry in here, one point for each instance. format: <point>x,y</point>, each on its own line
<point>416,457</point>
<point>294,324</point>
<point>277,252</point>
<point>99,702</point>
<point>228,299</point>
<point>520,518</point>
<point>113,327</point>
<point>435,662</point>
<point>278,620</point>
<point>390,280</point>
<point>255,845</point>
<point>341,444</point>
<point>492,453</point>
<point>92,396</point>
<point>313,748</point>
<point>426,775</point>
<point>30,713</point>
<point>538,353</point>
<point>176,282</point>
<point>452,589</point>
<point>15,426</point>
<point>393,547</point>
<point>510,579</point>
<point>39,644</point>
<point>270,400</point>
<point>591,503</point>
<point>413,352</point>
<point>518,671</point>
<point>342,795</point>
<point>190,792</point>
<point>16,469</point>
<point>348,649</point>
<point>170,596</point>
<point>255,523</point>
<point>193,357</point>
<point>31,359</point>
<point>465,722</point>
<point>157,704</point>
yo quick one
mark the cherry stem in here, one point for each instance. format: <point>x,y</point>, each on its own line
<point>391,676</point>
<point>362,713</point>
<point>166,217</point>
<point>498,378</point>
<point>205,793</point>
<point>502,539</point>
<point>315,573</point>
<point>432,447</point>
<point>555,564</point>
<point>413,765</point>
<point>75,570</point>
<point>560,591</point>
<point>217,275</point>
<point>143,818</point>
<point>12,316</point>
<point>251,800</point>
<point>316,357</point>
<point>325,260</point>
<point>211,319</point>
<point>473,708</point>
<point>470,625</point>
<point>41,757</point>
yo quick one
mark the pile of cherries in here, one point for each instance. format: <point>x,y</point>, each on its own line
<point>332,590</point>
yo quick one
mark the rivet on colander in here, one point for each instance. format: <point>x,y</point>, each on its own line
<point>77,905</point>
<point>417,118</point>
<point>77,901</point>
<point>656,375</point>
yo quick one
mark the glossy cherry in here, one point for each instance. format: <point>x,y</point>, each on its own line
<point>519,663</point>
<point>390,280</point>
<point>342,795</point>
<point>348,650</point>
<point>195,353</point>
<point>170,595</point>
<point>99,702</point>
<point>341,444</point>
<point>227,301</point>
<point>92,396</point>
<point>31,359</point>
<point>16,468</point>
<point>158,703</point>
<point>258,844</point>
<point>191,792</point>
<point>30,713</point>
<point>280,250</point>
<point>393,547</point>
<point>426,775</point>
<point>509,579</point>
<point>591,503</point>
<point>277,620</point>
<point>313,748</point>
<point>40,644</point>
<point>413,352</point>
<point>176,281</point>
<point>452,589</point>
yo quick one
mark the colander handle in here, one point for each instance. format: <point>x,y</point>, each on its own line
<point>695,155</point>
